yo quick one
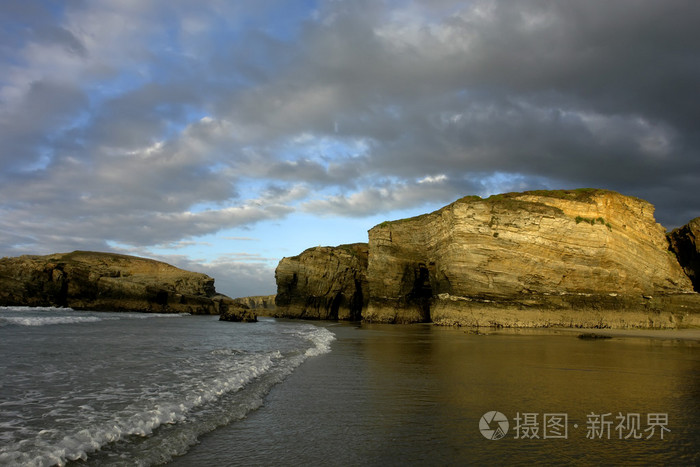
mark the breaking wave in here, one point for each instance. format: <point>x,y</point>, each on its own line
<point>162,415</point>
<point>47,316</point>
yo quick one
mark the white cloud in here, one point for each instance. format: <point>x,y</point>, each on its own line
<point>433,179</point>
<point>386,198</point>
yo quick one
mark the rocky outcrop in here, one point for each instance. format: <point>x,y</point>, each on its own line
<point>238,312</point>
<point>106,281</point>
<point>685,243</point>
<point>261,303</point>
<point>582,258</point>
<point>323,283</point>
<point>521,259</point>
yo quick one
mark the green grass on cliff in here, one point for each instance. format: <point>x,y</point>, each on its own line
<point>592,221</point>
<point>580,194</point>
<point>407,219</point>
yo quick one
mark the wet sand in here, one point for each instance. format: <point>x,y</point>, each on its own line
<point>415,395</point>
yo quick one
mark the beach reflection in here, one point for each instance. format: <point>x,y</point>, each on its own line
<point>445,379</point>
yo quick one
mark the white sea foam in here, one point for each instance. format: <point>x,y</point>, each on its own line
<point>162,419</point>
<point>44,316</point>
<point>48,320</point>
<point>148,413</point>
<point>322,339</point>
<point>34,308</point>
<point>149,315</point>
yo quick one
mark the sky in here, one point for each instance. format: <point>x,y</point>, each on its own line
<point>221,136</point>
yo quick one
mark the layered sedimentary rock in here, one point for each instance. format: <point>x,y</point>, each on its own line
<point>685,243</point>
<point>584,258</point>
<point>323,283</point>
<point>261,303</point>
<point>105,281</point>
<point>574,258</point>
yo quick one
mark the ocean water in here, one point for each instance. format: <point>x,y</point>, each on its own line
<point>82,388</point>
<point>130,388</point>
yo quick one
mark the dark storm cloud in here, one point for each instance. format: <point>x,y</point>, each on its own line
<point>151,122</point>
<point>583,93</point>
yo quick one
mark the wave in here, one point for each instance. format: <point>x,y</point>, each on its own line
<point>49,320</point>
<point>35,308</point>
<point>163,421</point>
<point>12,315</point>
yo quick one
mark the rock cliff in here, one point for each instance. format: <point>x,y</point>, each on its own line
<point>323,283</point>
<point>685,243</point>
<point>106,281</point>
<point>585,258</point>
<point>586,251</point>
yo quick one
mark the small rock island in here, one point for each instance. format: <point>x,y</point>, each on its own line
<point>576,258</point>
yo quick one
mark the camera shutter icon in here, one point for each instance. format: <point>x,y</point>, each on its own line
<point>493,425</point>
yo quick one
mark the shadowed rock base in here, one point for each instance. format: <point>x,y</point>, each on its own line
<point>685,244</point>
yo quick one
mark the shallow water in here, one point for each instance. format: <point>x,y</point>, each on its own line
<point>138,389</point>
<point>133,389</point>
<point>414,395</point>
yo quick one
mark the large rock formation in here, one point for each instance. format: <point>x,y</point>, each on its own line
<point>685,243</point>
<point>106,281</point>
<point>586,258</point>
<point>323,283</point>
<point>523,259</point>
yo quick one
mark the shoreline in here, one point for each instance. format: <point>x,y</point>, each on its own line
<point>686,334</point>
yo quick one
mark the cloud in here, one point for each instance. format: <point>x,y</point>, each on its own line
<point>235,275</point>
<point>386,197</point>
<point>424,192</point>
<point>153,123</point>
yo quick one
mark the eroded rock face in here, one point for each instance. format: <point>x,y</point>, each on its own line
<point>323,283</point>
<point>685,243</point>
<point>236,312</point>
<point>518,251</point>
<point>105,281</point>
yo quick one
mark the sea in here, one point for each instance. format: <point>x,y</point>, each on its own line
<point>131,389</point>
